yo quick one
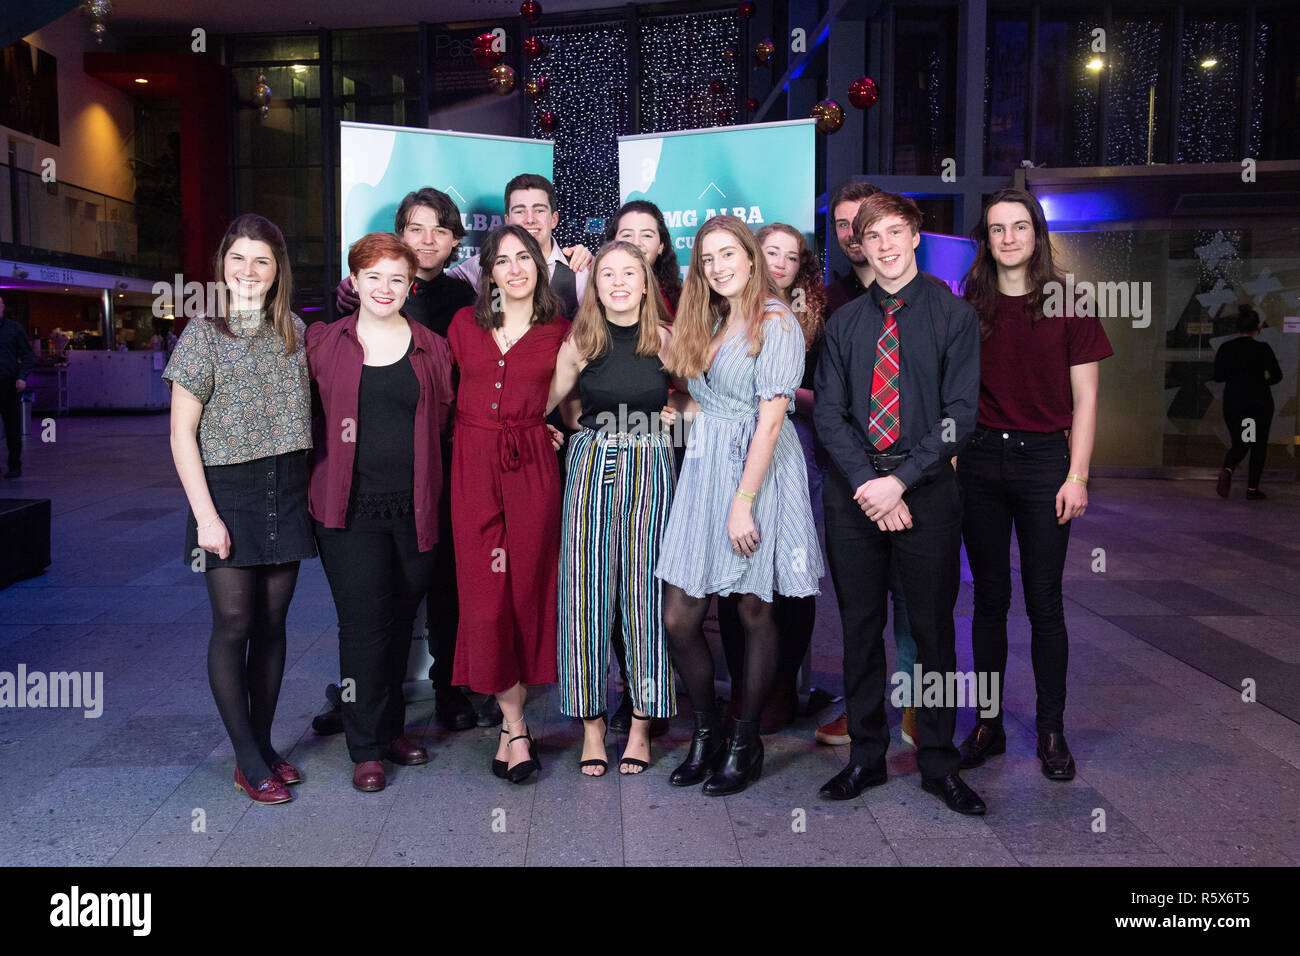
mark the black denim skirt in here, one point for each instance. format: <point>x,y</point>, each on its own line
<point>263,504</point>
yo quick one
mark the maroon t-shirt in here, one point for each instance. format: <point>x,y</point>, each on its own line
<point>1025,366</point>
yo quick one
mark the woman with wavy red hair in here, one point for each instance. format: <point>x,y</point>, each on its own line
<point>740,521</point>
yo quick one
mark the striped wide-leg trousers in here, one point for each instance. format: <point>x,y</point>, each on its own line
<point>616,496</point>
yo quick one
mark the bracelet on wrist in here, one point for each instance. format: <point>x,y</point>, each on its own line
<point>1079,478</point>
<point>746,495</point>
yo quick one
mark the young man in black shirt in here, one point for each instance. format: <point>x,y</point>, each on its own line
<point>897,393</point>
<point>16,362</point>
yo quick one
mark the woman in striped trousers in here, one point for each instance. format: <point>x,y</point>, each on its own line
<point>618,486</point>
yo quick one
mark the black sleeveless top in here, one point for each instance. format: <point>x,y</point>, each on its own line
<point>385,461</point>
<point>620,390</point>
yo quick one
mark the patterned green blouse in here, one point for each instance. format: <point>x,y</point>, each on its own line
<point>256,400</point>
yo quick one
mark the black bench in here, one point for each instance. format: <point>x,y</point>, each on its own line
<point>24,538</point>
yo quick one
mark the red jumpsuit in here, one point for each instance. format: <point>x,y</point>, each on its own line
<point>505,507</point>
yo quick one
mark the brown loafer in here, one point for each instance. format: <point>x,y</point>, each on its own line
<point>369,776</point>
<point>404,753</point>
<point>287,772</point>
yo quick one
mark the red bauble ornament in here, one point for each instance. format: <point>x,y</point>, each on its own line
<point>763,51</point>
<point>746,10</point>
<point>536,87</point>
<point>547,121</point>
<point>530,10</point>
<point>535,49</point>
<point>863,93</point>
<point>751,104</point>
<point>485,54</point>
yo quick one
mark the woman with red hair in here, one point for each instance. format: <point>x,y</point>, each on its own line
<point>382,397</point>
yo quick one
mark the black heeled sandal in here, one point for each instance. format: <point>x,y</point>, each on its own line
<point>499,767</point>
<point>595,761</point>
<point>642,765</point>
<point>525,769</point>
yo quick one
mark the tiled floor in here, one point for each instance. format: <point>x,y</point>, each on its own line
<point>1199,598</point>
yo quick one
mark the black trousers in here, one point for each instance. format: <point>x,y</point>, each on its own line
<point>1012,482</point>
<point>928,559</point>
<point>377,575</point>
<point>1234,413</point>
<point>9,415</point>
<point>442,604</point>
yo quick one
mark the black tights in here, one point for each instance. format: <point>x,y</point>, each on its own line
<point>246,656</point>
<point>684,621</point>
<point>795,616</point>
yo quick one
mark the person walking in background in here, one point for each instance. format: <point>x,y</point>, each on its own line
<point>240,435</point>
<point>16,362</point>
<point>1249,369</point>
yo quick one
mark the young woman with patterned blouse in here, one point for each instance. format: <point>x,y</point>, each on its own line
<point>240,435</point>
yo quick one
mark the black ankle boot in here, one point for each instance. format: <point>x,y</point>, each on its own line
<point>744,761</point>
<point>707,751</point>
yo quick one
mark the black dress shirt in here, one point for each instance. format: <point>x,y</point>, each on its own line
<point>939,366</point>
<point>432,302</point>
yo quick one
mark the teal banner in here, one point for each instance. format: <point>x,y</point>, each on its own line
<point>761,173</point>
<point>381,164</point>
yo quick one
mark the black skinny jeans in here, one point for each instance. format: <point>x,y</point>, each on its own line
<point>377,575</point>
<point>1009,482</point>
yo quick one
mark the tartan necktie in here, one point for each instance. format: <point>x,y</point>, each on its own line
<point>883,428</point>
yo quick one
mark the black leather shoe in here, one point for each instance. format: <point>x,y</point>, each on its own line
<point>330,720</point>
<point>490,713</point>
<point>621,720</point>
<point>708,750</point>
<point>851,781</point>
<point>953,791</point>
<point>453,709</point>
<point>743,763</point>
<point>983,742</point>
<point>1054,752</point>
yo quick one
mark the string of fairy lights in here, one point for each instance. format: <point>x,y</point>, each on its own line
<point>587,99</point>
<point>690,71</point>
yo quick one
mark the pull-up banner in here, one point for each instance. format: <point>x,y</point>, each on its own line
<point>378,165</point>
<point>761,173</point>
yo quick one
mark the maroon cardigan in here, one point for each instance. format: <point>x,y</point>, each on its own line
<point>335,357</point>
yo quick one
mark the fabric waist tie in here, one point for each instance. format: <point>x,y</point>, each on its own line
<point>510,429</point>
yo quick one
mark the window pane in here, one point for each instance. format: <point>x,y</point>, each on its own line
<point>1006,100</point>
<point>1209,121</point>
<point>1136,85</point>
<point>1069,74</point>
<point>925,65</point>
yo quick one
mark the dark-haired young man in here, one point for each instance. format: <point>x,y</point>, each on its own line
<point>16,362</point>
<point>530,202</point>
<point>843,207</point>
<point>897,390</point>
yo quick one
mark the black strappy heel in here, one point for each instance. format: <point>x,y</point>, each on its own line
<point>595,761</point>
<point>643,765</point>
<point>522,771</point>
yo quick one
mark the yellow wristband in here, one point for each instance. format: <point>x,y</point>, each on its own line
<point>742,493</point>
<point>1079,478</point>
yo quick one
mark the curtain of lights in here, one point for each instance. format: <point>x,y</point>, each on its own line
<point>687,79</point>
<point>1209,127</point>
<point>1134,93</point>
<point>586,70</point>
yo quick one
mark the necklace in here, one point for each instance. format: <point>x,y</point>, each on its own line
<point>507,342</point>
